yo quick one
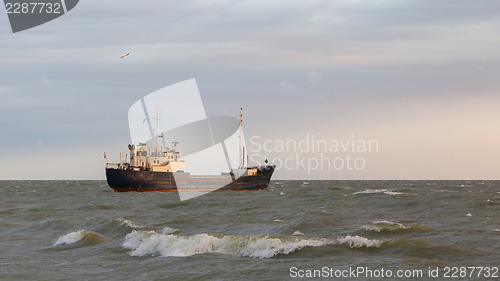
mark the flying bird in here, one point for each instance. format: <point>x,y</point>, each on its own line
<point>124,56</point>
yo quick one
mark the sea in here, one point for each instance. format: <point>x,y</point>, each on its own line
<point>295,230</point>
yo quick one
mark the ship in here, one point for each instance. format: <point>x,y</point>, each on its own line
<point>165,170</point>
<point>164,173</point>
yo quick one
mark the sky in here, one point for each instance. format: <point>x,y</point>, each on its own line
<point>418,78</point>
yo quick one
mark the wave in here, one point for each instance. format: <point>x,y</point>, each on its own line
<point>145,243</point>
<point>445,190</point>
<point>492,202</point>
<point>298,233</point>
<point>97,207</point>
<point>130,224</point>
<point>169,230</point>
<point>435,250</point>
<point>360,242</point>
<point>87,237</point>
<point>374,191</point>
<point>338,187</point>
<point>385,226</point>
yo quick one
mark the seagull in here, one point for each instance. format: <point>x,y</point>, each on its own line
<point>124,56</point>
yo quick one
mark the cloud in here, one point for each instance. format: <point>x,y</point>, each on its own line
<point>5,89</point>
<point>64,83</point>
<point>286,85</point>
<point>314,77</point>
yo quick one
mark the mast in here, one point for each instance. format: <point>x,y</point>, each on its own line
<point>241,138</point>
<point>157,135</point>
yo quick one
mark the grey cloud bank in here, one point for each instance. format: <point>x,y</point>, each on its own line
<point>379,69</point>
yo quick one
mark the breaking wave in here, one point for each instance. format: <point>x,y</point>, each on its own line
<point>385,226</point>
<point>492,202</point>
<point>384,191</point>
<point>85,236</point>
<point>130,224</point>
<point>169,230</point>
<point>144,243</point>
<point>360,242</point>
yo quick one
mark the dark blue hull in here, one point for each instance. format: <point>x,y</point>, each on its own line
<point>122,180</point>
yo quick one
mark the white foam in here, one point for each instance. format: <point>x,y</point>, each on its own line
<point>169,230</point>
<point>393,193</point>
<point>298,233</point>
<point>384,225</point>
<point>384,191</point>
<point>359,241</point>
<point>81,235</point>
<point>71,238</point>
<point>278,220</point>
<point>371,191</point>
<point>131,224</point>
<point>379,226</point>
<point>143,243</point>
<point>282,193</point>
<point>445,190</point>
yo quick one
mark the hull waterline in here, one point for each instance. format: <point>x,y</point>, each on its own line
<point>124,180</point>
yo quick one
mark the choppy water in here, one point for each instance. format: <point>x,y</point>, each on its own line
<point>60,230</point>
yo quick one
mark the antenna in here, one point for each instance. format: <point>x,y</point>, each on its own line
<point>241,138</point>
<point>157,121</point>
<point>244,157</point>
